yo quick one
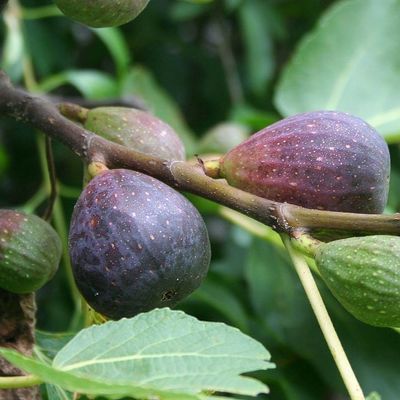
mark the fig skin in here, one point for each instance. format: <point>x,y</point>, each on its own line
<point>137,130</point>
<point>136,244</point>
<point>324,160</point>
<point>30,252</point>
<point>102,13</point>
<point>363,273</point>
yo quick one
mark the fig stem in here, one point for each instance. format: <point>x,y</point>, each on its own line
<point>286,218</point>
<point>324,321</point>
<point>212,168</point>
<point>95,168</point>
<point>305,243</point>
<point>16,382</point>
<point>74,112</point>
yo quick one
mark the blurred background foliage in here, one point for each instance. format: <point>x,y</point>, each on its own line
<point>199,64</point>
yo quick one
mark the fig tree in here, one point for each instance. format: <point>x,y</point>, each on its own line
<point>30,251</point>
<point>136,244</point>
<point>102,13</point>
<point>326,160</point>
<point>137,130</point>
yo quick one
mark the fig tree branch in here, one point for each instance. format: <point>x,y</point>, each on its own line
<point>43,115</point>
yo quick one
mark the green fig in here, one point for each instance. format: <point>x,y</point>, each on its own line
<point>363,273</point>
<point>30,251</point>
<point>137,130</point>
<point>102,13</point>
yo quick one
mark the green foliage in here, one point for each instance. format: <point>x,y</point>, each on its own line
<point>161,353</point>
<point>348,63</point>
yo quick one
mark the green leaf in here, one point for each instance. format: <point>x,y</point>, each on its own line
<point>163,352</point>
<point>373,396</point>
<point>140,82</point>
<point>350,62</point>
<point>117,46</point>
<point>87,384</point>
<point>51,343</point>
<point>91,83</point>
<point>218,296</point>
<point>259,56</point>
<point>57,393</point>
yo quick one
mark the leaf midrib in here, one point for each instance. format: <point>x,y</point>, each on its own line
<point>148,356</point>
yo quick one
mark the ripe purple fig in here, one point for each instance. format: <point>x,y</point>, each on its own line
<point>137,130</point>
<point>136,244</point>
<point>324,160</point>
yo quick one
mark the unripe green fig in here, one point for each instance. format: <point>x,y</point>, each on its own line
<point>136,244</point>
<point>363,273</point>
<point>102,13</point>
<point>324,160</point>
<point>137,130</point>
<point>30,251</point>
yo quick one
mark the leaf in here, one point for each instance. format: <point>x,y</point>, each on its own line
<point>373,396</point>
<point>117,46</point>
<point>259,56</point>
<point>218,296</point>
<point>51,343</point>
<point>86,384</point>
<point>57,393</point>
<point>163,352</point>
<point>350,62</point>
<point>91,83</point>
<point>140,82</point>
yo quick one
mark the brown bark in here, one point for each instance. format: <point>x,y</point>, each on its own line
<point>17,323</point>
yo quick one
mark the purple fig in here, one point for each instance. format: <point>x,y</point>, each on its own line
<point>136,244</point>
<point>323,160</point>
<point>30,251</point>
<point>137,130</point>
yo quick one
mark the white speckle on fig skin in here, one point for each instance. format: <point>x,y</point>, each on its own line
<point>140,131</point>
<point>323,159</point>
<point>137,249</point>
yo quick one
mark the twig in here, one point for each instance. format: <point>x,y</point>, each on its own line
<point>181,175</point>
<point>325,323</point>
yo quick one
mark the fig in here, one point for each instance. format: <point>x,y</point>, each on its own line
<point>102,13</point>
<point>363,273</point>
<point>324,160</point>
<point>136,244</point>
<point>30,251</point>
<point>137,130</point>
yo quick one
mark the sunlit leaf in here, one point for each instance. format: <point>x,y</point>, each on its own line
<point>161,353</point>
<point>350,62</point>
